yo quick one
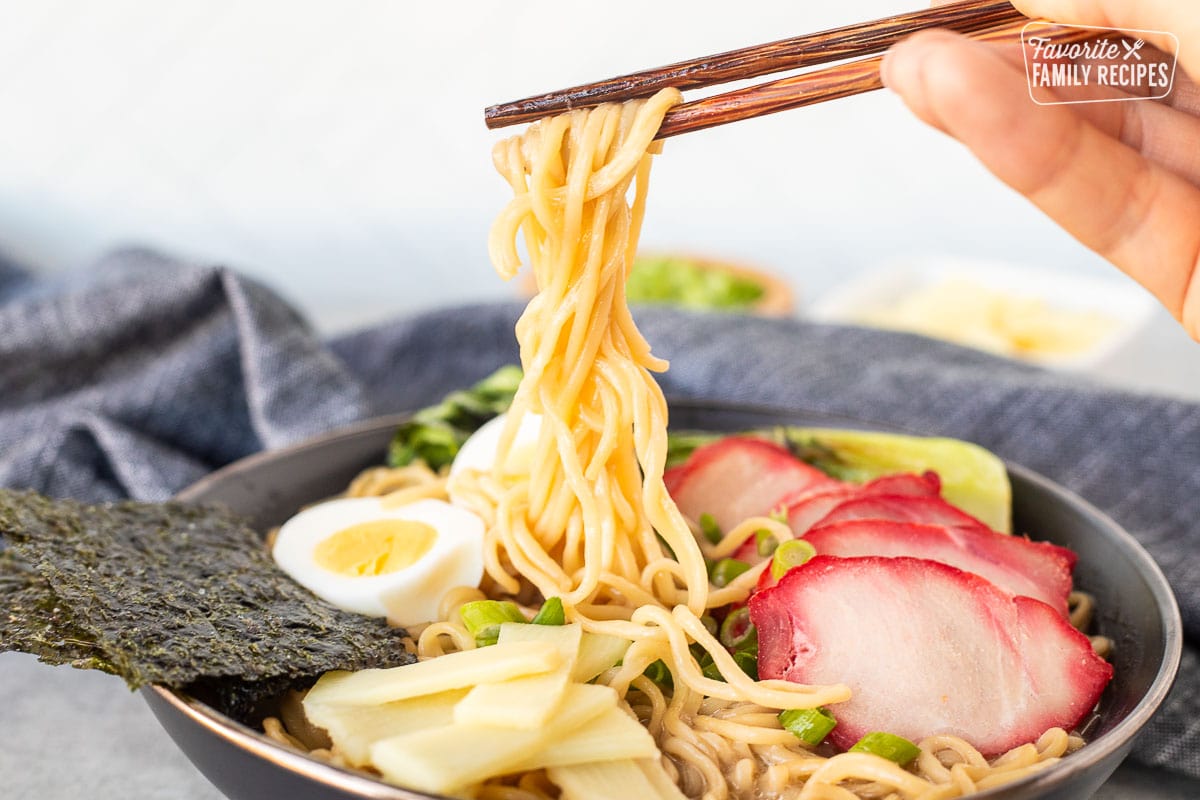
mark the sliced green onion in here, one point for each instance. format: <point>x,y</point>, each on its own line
<point>710,528</point>
<point>780,515</point>
<point>791,553</point>
<point>659,673</point>
<point>809,725</point>
<point>483,618</point>
<point>705,661</point>
<point>889,746</point>
<point>765,542</point>
<point>726,570</point>
<point>709,668</point>
<point>748,661</point>
<point>738,632</point>
<point>551,613</point>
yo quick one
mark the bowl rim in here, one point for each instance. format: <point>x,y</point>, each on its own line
<point>348,780</point>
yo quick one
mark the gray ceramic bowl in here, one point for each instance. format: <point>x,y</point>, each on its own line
<point>1135,608</point>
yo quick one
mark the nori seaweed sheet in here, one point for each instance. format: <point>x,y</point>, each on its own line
<point>172,594</point>
<point>32,620</point>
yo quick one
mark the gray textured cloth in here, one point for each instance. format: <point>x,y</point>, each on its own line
<point>141,374</point>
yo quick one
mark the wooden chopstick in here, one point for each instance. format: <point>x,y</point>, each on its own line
<point>832,83</point>
<point>851,41</point>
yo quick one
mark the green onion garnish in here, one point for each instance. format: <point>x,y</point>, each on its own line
<point>483,618</point>
<point>791,553</point>
<point>889,746</point>
<point>738,632</point>
<point>765,543</point>
<point>551,613</point>
<point>659,673</point>
<point>780,515</point>
<point>809,725</point>
<point>710,528</point>
<point>724,571</point>
<point>748,661</point>
<point>709,668</point>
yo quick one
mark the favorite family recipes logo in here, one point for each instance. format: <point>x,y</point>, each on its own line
<point>1097,65</point>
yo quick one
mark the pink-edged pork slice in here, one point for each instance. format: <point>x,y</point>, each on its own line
<point>814,506</point>
<point>739,477</point>
<point>927,484</point>
<point>899,508</point>
<point>1015,564</point>
<point>808,507</point>
<point>926,649</point>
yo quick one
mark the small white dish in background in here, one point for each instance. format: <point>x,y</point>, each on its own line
<point>1048,317</point>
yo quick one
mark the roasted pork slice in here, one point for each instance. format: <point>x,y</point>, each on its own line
<point>739,477</point>
<point>898,508</point>
<point>927,484</point>
<point>926,649</point>
<point>806,510</point>
<point>813,507</point>
<point>1015,564</point>
<point>807,507</point>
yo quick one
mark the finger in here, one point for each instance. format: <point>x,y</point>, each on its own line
<point>1185,95</point>
<point>1161,133</point>
<point>1172,16</point>
<point>1150,128</point>
<point>1138,215</point>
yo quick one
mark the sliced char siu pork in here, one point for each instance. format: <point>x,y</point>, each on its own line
<point>899,508</point>
<point>739,477</point>
<point>1015,564</point>
<point>926,649</point>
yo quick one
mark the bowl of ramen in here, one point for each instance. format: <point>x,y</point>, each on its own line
<point>751,605</point>
<point>1133,610</point>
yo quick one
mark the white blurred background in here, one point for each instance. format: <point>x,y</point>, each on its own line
<point>337,149</point>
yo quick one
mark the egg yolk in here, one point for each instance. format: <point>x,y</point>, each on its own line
<point>377,547</point>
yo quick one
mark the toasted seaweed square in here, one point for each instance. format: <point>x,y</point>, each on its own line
<point>168,593</point>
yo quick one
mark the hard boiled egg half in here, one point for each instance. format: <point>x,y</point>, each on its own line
<point>481,452</point>
<point>397,562</point>
<point>481,449</point>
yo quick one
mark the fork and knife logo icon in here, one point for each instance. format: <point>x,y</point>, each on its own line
<point>1132,48</point>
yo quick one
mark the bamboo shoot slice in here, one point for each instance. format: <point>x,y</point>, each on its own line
<point>526,702</point>
<point>653,769</point>
<point>353,729</point>
<point>499,662</point>
<point>615,780</point>
<point>612,736</point>
<point>597,652</point>
<point>452,757</point>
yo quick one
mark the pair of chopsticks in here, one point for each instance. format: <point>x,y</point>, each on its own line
<point>992,20</point>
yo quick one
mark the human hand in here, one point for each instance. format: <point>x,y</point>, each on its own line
<point>1123,178</point>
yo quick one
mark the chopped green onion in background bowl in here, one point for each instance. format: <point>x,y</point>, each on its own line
<point>671,279</point>
<point>703,284</point>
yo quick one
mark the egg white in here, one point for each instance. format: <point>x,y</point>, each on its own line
<point>479,451</point>
<point>406,596</point>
